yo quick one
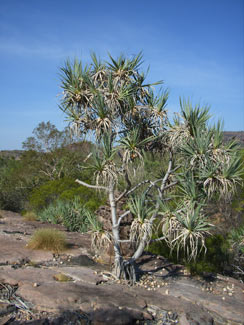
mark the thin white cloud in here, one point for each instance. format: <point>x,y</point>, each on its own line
<point>42,50</point>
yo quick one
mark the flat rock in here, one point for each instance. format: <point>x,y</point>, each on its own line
<point>104,301</point>
<point>12,251</point>
<point>230,308</point>
<point>81,274</point>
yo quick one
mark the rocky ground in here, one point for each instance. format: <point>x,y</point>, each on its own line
<point>31,291</point>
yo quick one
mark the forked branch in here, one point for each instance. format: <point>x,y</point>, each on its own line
<point>96,187</point>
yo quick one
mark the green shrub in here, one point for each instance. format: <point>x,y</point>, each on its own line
<point>18,178</point>
<point>216,259</point>
<point>72,214</point>
<point>54,212</point>
<point>64,189</point>
<point>236,240</point>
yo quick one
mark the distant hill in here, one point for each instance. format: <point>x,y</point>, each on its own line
<point>15,154</point>
<point>238,135</point>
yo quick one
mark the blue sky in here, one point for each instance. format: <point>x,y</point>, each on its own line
<point>195,46</point>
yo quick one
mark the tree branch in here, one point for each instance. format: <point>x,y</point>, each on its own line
<point>170,185</point>
<point>128,186</point>
<point>97,187</point>
<point>121,196</point>
<point>163,186</point>
<point>157,239</point>
<point>166,176</point>
<point>152,184</point>
<point>124,241</point>
<point>138,185</point>
<point>120,218</point>
<point>126,192</point>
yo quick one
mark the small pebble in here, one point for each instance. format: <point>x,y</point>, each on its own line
<point>223,298</point>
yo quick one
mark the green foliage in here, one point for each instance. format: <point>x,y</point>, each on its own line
<point>238,201</point>
<point>17,178</point>
<point>216,259</point>
<point>54,212</point>
<point>139,208</point>
<point>161,248</point>
<point>111,102</point>
<point>72,214</point>
<point>236,239</point>
<point>47,138</point>
<point>64,189</point>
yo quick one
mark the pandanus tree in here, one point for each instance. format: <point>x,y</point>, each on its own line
<point>111,102</point>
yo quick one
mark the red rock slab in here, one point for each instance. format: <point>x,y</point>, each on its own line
<point>13,250</point>
<point>231,308</point>
<point>79,273</point>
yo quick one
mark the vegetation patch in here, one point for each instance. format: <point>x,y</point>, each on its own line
<point>48,239</point>
<point>62,277</point>
<point>216,259</point>
<point>30,216</point>
<point>64,189</point>
<point>72,214</point>
<point>33,264</point>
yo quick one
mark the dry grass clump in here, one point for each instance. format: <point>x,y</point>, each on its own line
<point>62,277</point>
<point>30,216</point>
<point>48,239</point>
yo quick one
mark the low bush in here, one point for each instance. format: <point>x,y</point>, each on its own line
<point>72,214</point>
<point>48,239</point>
<point>216,260</point>
<point>236,240</point>
<point>55,212</point>
<point>64,189</point>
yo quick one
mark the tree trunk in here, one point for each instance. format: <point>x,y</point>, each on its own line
<point>123,269</point>
<point>126,270</point>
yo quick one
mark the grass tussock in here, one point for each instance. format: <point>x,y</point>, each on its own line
<point>48,239</point>
<point>62,277</point>
<point>30,216</point>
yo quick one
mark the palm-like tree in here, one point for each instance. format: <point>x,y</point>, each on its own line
<point>112,101</point>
